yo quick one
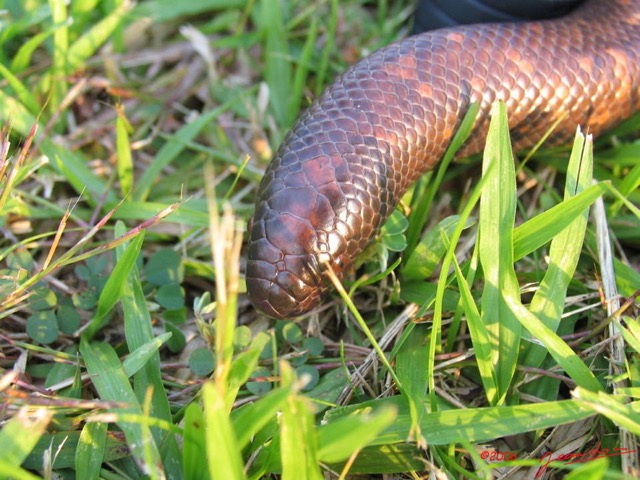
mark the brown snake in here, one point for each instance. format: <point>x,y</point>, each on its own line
<point>351,156</point>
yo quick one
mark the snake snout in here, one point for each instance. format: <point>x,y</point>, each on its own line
<point>283,276</point>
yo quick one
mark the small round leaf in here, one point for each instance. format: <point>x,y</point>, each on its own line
<point>312,375</point>
<point>313,345</point>
<point>241,336</point>
<point>43,298</point>
<point>165,266</point>
<point>292,333</point>
<point>170,296</point>
<point>201,361</point>
<point>261,386</point>
<point>42,326</point>
<point>68,318</point>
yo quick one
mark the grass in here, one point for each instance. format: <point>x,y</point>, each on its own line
<point>131,150</point>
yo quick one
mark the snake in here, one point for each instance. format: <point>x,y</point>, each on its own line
<point>354,152</point>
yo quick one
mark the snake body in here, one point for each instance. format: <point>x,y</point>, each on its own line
<point>386,120</point>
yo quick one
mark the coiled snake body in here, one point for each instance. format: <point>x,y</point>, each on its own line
<point>389,118</point>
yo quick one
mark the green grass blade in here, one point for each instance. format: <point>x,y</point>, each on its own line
<point>193,213</point>
<point>343,438</point>
<point>278,71</point>
<point>90,451</point>
<point>137,359</point>
<point>250,419</point>
<point>542,228</point>
<point>21,91</point>
<point>14,472</point>
<point>548,302</point>
<point>302,71</point>
<point>59,72</point>
<point>174,147</point>
<point>194,443</point>
<point>111,383</point>
<point>244,364</point>
<point>625,415</point>
<point>168,10</point>
<point>298,437</point>
<point>20,434</point>
<point>65,444</point>
<point>443,282</point>
<point>427,255</point>
<point>73,166</point>
<point>558,349</point>
<point>22,58</point>
<point>87,45</point>
<point>479,336</point>
<point>414,352</point>
<point>14,112</point>
<point>631,334</point>
<point>124,160</point>
<point>497,216</point>
<point>112,291</point>
<point>223,454</point>
<point>139,334</point>
<point>475,425</point>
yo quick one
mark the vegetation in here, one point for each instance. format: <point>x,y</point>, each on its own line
<point>493,328</point>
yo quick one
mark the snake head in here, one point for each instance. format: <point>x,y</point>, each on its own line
<point>296,234</point>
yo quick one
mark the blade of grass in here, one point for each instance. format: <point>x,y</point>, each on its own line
<point>16,114</point>
<point>411,359</point>
<point>139,333</point>
<point>195,216</point>
<point>542,228</point>
<point>90,451</point>
<point>20,434</point>
<point>479,336</point>
<point>250,419</point>
<point>348,435</point>
<point>496,220</point>
<point>548,302</point>
<point>124,160</point>
<point>175,146</point>
<point>21,91</point>
<point>223,455</point>
<point>116,283</point>
<point>194,443</point>
<point>277,60</point>
<point>625,415</point>
<point>74,167</point>
<point>298,437</point>
<point>475,425</point>
<point>57,80</point>
<point>164,10</point>
<point>302,71</point>
<point>328,50</point>
<point>14,472</point>
<point>426,256</point>
<point>226,242</point>
<point>137,359</point>
<point>557,347</point>
<point>87,45</point>
<point>630,183</point>
<point>441,288</point>
<point>245,363</point>
<point>111,383</point>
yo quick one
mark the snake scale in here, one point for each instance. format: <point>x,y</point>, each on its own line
<point>389,118</point>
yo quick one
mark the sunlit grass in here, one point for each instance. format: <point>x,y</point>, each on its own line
<point>129,161</point>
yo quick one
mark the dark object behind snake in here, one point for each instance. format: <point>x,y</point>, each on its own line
<point>351,156</point>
